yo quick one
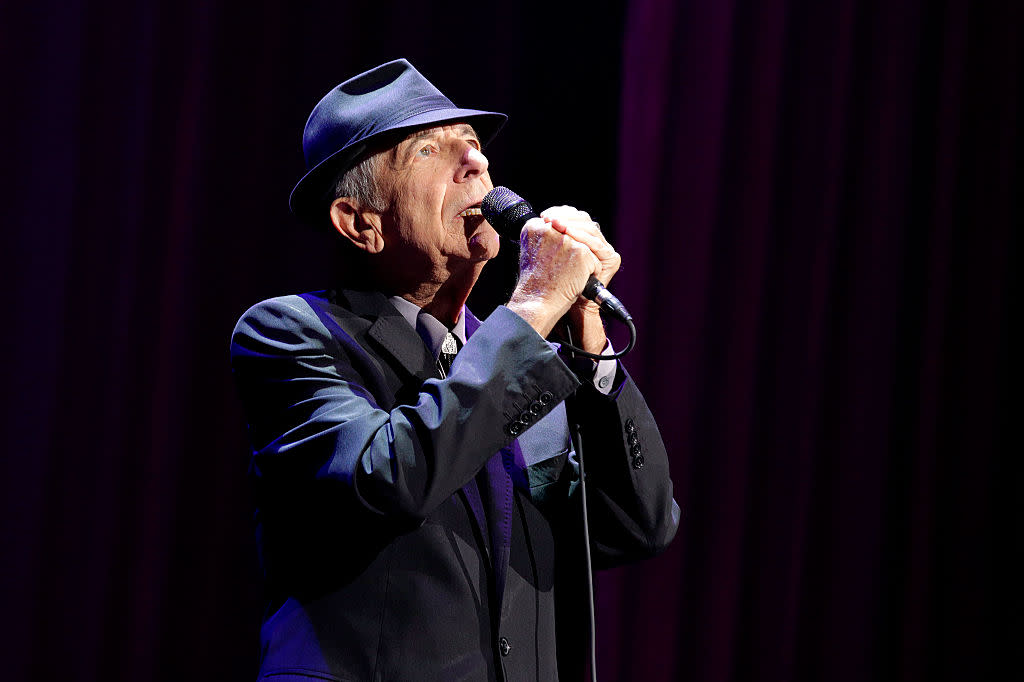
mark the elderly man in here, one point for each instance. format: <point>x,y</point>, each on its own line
<point>419,512</point>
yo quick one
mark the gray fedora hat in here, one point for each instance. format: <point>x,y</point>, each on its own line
<point>377,106</point>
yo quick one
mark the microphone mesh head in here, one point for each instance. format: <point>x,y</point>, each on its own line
<point>497,200</point>
<point>506,211</point>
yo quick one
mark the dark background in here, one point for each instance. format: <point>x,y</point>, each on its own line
<point>818,209</point>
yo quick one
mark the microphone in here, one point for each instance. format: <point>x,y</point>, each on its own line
<point>507,212</point>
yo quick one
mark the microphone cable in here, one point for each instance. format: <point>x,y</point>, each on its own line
<point>577,442</point>
<point>613,356</point>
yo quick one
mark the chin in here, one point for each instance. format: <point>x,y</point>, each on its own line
<point>484,245</point>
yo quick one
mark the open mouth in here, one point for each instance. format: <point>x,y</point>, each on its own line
<point>472,210</point>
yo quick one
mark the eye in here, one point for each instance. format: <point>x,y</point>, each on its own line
<point>425,151</point>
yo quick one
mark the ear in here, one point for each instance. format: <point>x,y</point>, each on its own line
<point>360,227</point>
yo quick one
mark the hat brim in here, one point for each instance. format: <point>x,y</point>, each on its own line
<point>310,197</point>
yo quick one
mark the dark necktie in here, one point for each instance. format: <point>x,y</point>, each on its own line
<point>449,347</point>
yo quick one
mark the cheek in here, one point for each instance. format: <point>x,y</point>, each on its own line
<point>410,216</point>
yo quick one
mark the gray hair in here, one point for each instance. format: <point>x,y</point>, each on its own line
<point>360,182</point>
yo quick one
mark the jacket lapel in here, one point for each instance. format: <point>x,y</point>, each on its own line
<point>393,334</point>
<point>492,512</point>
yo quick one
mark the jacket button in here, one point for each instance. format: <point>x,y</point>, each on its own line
<point>546,397</point>
<point>633,438</point>
<point>635,450</point>
<point>504,647</point>
<point>638,462</point>
<point>630,426</point>
<point>514,428</point>
<point>536,408</point>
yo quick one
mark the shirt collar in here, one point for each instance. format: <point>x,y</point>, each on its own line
<point>430,329</point>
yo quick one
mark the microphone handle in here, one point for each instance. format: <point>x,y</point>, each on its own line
<point>597,292</point>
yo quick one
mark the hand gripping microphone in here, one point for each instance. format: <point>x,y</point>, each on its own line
<point>507,212</point>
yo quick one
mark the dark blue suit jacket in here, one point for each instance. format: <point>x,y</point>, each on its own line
<point>419,528</point>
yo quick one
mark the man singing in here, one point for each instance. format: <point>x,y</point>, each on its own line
<point>417,491</point>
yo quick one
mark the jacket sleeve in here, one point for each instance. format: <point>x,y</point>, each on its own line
<point>632,511</point>
<point>314,420</point>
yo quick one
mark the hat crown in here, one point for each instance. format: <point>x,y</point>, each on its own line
<point>366,104</point>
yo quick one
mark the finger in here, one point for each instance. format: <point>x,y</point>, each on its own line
<point>590,259</point>
<point>579,222</point>
<point>583,230</point>
<point>588,234</point>
<point>607,256</point>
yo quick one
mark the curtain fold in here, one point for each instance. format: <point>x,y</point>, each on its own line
<point>817,204</point>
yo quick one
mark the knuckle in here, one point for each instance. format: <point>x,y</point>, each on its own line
<point>561,211</point>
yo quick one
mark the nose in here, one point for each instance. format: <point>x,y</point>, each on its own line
<point>472,164</point>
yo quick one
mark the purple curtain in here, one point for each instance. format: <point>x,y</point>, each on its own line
<point>816,207</point>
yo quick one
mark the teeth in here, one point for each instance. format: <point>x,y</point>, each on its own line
<point>471,211</point>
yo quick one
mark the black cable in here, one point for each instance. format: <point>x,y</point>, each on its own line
<point>613,356</point>
<point>574,432</point>
<point>577,443</point>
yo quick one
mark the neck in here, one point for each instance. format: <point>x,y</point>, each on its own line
<point>445,297</point>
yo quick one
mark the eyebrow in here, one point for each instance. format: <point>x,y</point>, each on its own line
<point>463,129</point>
